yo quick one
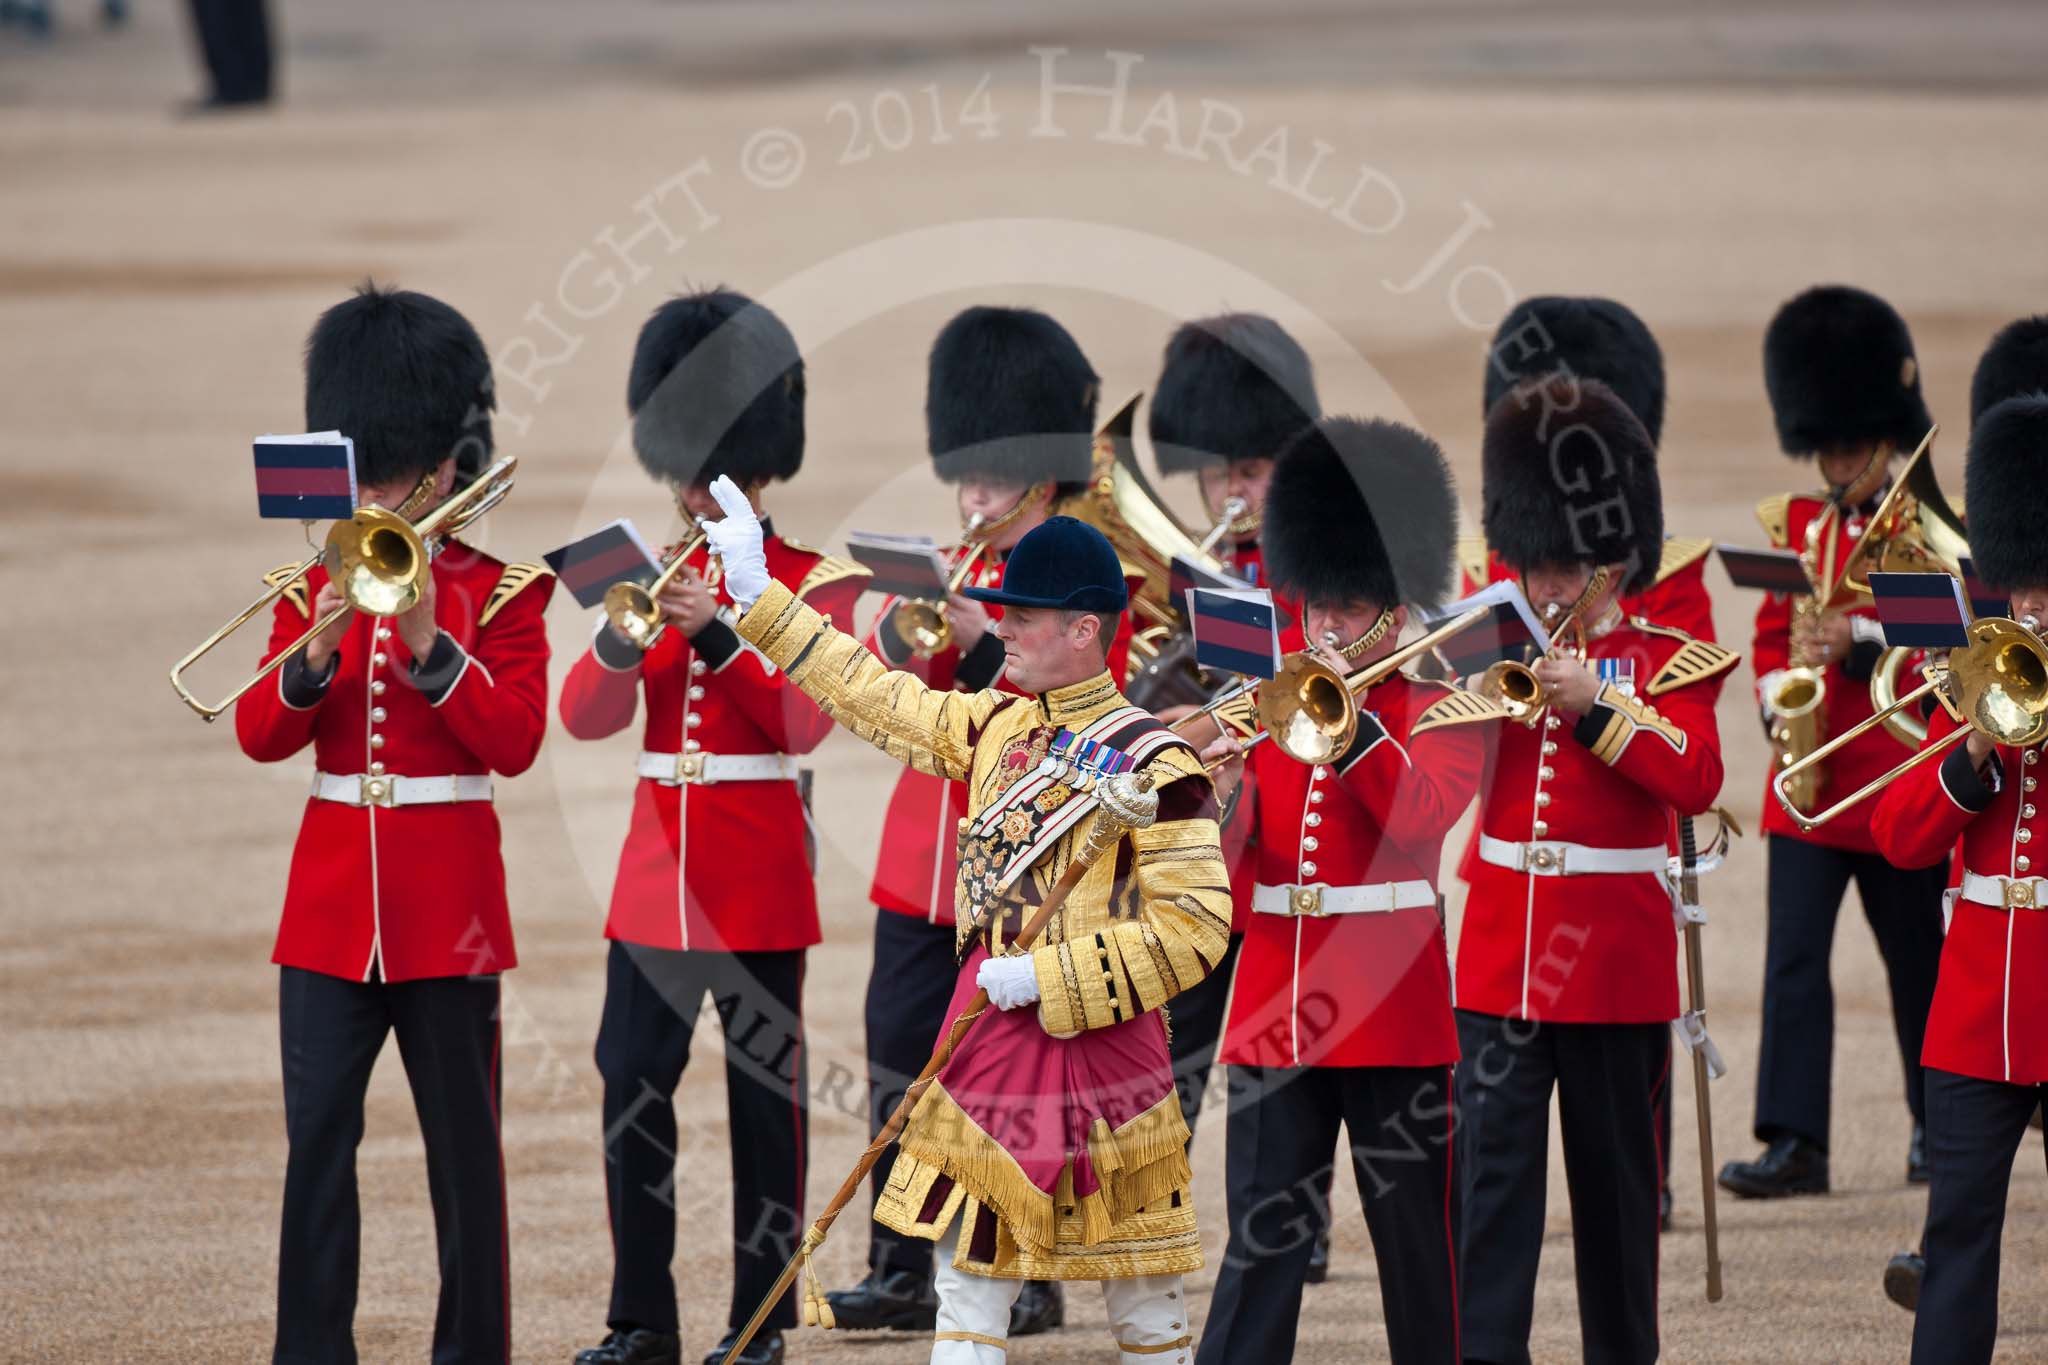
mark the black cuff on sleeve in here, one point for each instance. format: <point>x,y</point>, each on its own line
<point>978,666</point>
<point>1861,660</point>
<point>1594,724</point>
<point>445,662</point>
<point>716,643</point>
<point>1370,732</point>
<point>615,651</point>
<point>1964,783</point>
<point>300,687</point>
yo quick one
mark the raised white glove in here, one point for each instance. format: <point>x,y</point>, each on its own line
<point>736,541</point>
<point>1009,981</point>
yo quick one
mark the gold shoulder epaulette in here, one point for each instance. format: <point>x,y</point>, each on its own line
<point>294,590</point>
<point>795,544</point>
<point>1458,706</point>
<point>510,584</point>
<point>1649,627</point>
<point>1772,513</point>
<point>1239,715</point>
<point>1695,661</point>
<point>830,569</point>
<point>1680,551</point>
<point>1472,558</point>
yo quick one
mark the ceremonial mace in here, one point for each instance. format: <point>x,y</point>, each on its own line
<point>1125,802</point>
<point>1692,1028</point>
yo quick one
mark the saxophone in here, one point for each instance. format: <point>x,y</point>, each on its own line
<point>1797,697</point>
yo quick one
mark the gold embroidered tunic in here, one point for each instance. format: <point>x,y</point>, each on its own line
<point>1058,1139</point>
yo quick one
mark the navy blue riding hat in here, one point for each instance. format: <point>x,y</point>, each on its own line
<point>1064,564</point>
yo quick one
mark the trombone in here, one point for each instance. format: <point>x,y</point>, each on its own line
<point>632,609</point>
<point>925,625</point>
<point>1997,685</point>
<point>1310,710</point>
<point>377,558</point>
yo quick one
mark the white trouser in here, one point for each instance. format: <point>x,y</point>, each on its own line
<point>1147,1315</point>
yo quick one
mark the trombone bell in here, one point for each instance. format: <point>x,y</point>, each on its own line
<point>1308,710</point>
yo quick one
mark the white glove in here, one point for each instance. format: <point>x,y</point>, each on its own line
<point>1009,981</point>
<point>736,541</point>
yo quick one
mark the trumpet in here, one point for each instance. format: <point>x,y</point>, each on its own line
<point>1997,685</point>
<point>632,609</point>
<point>925,626</point>
<point>1310,710</point>
<point>377,558</point>
<point>1514,686</point>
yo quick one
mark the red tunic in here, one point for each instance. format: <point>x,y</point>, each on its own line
<point>679,884</point>
<point>1990,1012</point>
<point>1369,989</point>
<point>413,891</point>
<point>1599,948</point>
<point>1848,701</point>
<point>916,864</point>
<point>1678,598</point>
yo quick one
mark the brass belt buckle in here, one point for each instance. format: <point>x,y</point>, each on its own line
<point>2019,895</point>
<point>378,791</point>
<point>1306,900</point>
<point>1542,858</point>
<point>690,768</point>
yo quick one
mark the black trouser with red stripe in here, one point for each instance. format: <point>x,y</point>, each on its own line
<point>1197,1017</point>
<point>1283,1123</point>
<point>651,1000</point>
<point>1607,1078</point>
<point>1974,1128</point>
<point>331,1031</point>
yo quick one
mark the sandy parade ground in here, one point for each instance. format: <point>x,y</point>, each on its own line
<point>1382,179</point>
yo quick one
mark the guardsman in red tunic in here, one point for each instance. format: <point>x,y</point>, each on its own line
<point>2015,363</point>
<point>1342,1009</point>
<point>1986,1055</point>
<point>1567,960</point>
<point>1234,389</point>
<point>1009,417</point>
<point>1597,338</point>
<point>395,918</point>
<point>1845,389</point>
<point>718,774</point>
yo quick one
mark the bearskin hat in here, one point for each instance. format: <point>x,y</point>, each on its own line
<point>717,387</point>
<point>1010,398</point>
<point>1361,510</point>
<point>407,378</point>
<point>1591,338</point>
<point>1840,369</point>
<point>1568,476</point>
<point>2015,362</point>
<point>1232,387</point>
<point>2004,481</point>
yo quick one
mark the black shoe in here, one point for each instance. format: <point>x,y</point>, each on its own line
<point>898,1300</point>
<point>1916,1157</point>
<point>1319,1261</point>
<point>1790,1165</point>
<point>764,1349</point>
<point>637,1346</point>
<point>1664,1209</point>
<point>1902,1279</point>
<point>1040,1307</point>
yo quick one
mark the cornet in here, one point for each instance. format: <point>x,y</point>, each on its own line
<point>1996,685</point>
<point>632,609</point>
<point>1515,687</point>
<point>377,559</point>
<point>926,626</point>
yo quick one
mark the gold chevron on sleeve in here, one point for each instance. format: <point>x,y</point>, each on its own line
<point>294,588</point>
<point>510,584</point>
<point>1695,661</point>
<point>830,569</point>
<point>1680,551</point>
<point>1772,514</point>
<point>1456,707</point>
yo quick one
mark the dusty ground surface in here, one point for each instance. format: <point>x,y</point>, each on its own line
<point>868,170</point>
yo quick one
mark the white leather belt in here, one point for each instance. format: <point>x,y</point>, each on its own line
<point>2006,893</point>
<point>1317,900</point>
<point>1545,858</point>
<point>676,770</point>
<point>361,789</point>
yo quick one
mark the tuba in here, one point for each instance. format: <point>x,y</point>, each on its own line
<point>378,559</point>
<point>1996,685</point>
